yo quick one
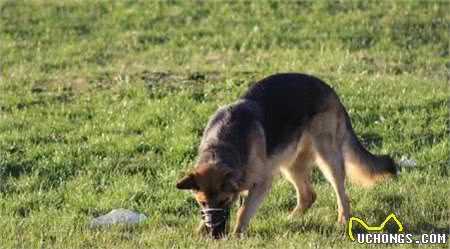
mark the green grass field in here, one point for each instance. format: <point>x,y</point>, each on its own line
<point>102,106</point>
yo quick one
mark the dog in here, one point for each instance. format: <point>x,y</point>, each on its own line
<point>283,123</point>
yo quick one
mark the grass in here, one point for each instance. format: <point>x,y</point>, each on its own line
<point>102,105</point>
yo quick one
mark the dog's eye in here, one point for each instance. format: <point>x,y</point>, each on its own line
<point>203,203</point>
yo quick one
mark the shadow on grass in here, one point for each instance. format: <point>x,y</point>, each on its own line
<point>423,227</point>
<point>326,230</point>
<point>392,200</point>
<point>298,227</point>
<point>430,105</point>
<point>371,140</point>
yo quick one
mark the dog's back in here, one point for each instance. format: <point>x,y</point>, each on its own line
<point>288,102</point>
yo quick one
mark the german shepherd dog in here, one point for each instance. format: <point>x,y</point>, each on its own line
<point>282,123</point>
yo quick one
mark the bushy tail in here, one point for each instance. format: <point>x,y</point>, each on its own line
<point>361,166</point>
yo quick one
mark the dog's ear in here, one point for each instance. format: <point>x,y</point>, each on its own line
<point>187,182</point>
<point>231,183</point>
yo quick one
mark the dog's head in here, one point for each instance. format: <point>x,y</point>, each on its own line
<point>215,188</point>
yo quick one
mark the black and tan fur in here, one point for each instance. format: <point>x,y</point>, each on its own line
<point>283,123</point>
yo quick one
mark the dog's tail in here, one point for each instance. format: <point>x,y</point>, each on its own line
<point>361,166</point>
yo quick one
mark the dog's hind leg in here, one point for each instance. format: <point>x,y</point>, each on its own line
<point>327,132</point>
<point>298,174</point>
<point>330,161</point>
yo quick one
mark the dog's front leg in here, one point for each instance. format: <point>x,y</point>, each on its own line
<point>252,202</point>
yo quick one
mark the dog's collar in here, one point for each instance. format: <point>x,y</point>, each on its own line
<point>213,209</point>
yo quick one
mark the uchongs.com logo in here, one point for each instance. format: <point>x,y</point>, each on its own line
<point>375,234</point>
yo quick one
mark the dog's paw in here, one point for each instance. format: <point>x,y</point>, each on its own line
<point>238,235</point>
<point>295,213</point>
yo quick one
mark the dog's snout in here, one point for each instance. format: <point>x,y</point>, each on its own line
<point>215,220</point>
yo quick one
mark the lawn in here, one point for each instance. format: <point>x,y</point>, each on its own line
<point>102,104</point>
